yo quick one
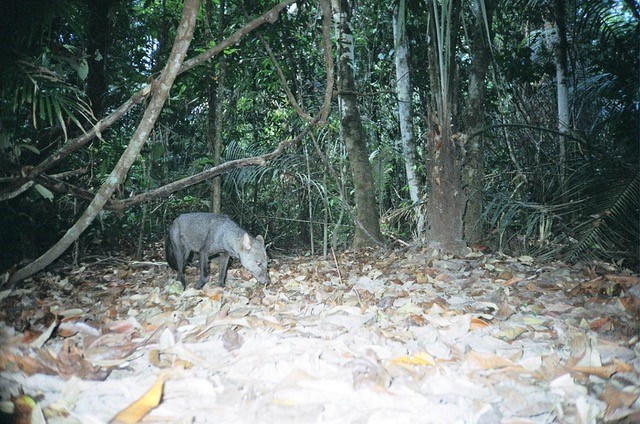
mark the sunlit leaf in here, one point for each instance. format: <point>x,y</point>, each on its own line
<point>140,408</point>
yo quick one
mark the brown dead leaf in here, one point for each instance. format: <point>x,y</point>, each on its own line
<point>602,372</point>
<point>617,399</point>
<point>512,281</point>
<point>631,304</point>
<point>487,361</point>
<point>215,297</point>
<point>593,284</point>
<point>72,362</point>
<point>629,280</point>
<point>477,323</point>
<point>141,407</point>
<point>622,367</point>
<point>123,326</point>
<point>505,275</point>
<point>154,359</point>
<point>535,288</point>
<point>28,336</point>
<point>23,407</point>
<point>601,324</point>
<point>28,365</point>
<point>550,369</point>
<point>443,277</point>
<point>416,320</point>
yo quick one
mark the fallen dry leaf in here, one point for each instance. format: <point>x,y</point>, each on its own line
<point>141,407</point>
<point>420,358</point>
<point>367,336</point>
<point>602,372</point>
<point>618,399</point>
<point>487,361</point>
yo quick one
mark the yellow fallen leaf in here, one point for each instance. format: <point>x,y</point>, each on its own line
<point>533,320</point>
<point>138,409</point>
<point>420,358</point>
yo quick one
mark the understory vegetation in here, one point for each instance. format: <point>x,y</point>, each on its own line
<point>549,192</point>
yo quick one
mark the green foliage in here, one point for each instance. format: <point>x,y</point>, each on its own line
<point>529,207</point>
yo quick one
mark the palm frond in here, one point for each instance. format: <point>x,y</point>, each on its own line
<point>612,226</point>
<point>52,100</point>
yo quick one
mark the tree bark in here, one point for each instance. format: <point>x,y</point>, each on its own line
<point>184,34</point>
<point>98,52</point>
<point>446,196</point>
<point>216,98</point>
<point>367,231</point>
<point>405,111</point>
<point>560,52</point>
<point>474,119</point>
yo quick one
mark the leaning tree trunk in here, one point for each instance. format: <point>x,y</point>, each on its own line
<point>367,219</point>
<point>405,111</point>
<point>446,203</point>
<point>473,169</point>
<point>184,35</point>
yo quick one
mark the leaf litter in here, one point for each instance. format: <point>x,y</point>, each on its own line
<point>365,337</point>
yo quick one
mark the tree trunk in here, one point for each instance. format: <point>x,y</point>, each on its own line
<point>15,188</point>
<point>405,111</point>
<point>560,51</point>
<point>446,203</point>
<point>97,52</point>
<point>184,34</point>
<point>473,170</point>
<point>367,220</point>
<point>216,98</point>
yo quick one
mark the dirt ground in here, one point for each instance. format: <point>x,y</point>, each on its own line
<point>404,336</point>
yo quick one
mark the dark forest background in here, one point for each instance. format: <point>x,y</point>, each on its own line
<point>527,110</point>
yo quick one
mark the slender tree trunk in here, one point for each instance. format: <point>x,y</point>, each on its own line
<point>368,224</point>
<point>405,110</point>
<point>446,203</point>
<point>216,110</point>
<point>181,44</point>
<point>560,50</point>
<point>473,170</point>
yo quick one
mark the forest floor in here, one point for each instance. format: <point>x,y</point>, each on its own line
<point>371,337</point>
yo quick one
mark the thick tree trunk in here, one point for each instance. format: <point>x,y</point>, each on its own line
<point>473,169</point>
<point>368,224</point>
<point>446,203</point>
<point>183,39</point>
<point>405,111</point>
<point>98,53</point>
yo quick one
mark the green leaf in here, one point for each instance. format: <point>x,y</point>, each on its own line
<point>30,148</point>
<point>44,192</point>
<point>83,69</point>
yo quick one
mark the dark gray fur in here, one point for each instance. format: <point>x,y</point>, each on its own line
<point>211,234</point>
